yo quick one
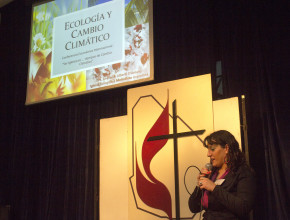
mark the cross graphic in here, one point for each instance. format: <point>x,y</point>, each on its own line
<point>175,136</point>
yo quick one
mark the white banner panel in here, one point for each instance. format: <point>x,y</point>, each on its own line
<point>152,168</point>
<point>227,117</point>
<point>113,169</point>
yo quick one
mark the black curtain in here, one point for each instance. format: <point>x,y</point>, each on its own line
<point>49,151</point>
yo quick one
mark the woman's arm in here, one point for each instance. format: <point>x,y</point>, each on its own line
<point>242,202</point>
<point>194,201</point>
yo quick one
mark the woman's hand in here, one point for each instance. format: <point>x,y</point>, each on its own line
<point>206,183</point>
<point>203,182</point>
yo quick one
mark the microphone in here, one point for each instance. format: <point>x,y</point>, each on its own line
<point>208,166</point>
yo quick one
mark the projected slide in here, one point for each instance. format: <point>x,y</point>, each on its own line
<point>81,46</point>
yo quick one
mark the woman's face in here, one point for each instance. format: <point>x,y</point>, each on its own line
<point>217,154</point>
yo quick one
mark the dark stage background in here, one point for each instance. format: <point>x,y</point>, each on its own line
<point>48,150</point>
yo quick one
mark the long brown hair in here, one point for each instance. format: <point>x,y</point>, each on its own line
<point>222,137</point>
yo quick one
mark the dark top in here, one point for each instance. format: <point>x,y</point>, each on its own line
<point>233,199</point>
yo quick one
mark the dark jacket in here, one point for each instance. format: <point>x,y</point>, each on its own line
<point>234,199</point>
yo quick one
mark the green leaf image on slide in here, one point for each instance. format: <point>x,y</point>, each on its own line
<point>136,12</point>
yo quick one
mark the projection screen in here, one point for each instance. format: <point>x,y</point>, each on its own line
<point>82,46</point>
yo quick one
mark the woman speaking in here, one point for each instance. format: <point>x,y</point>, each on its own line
<point>228,191</point>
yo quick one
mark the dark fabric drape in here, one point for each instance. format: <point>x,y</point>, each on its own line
<point>49,151</point>
<point>272,69</point>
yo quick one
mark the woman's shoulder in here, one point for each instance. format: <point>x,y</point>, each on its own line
<point>245,170</point>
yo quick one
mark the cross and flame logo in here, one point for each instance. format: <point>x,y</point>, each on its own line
<point>150,190</point>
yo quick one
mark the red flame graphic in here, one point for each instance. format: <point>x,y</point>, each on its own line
<point>154,194</point>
